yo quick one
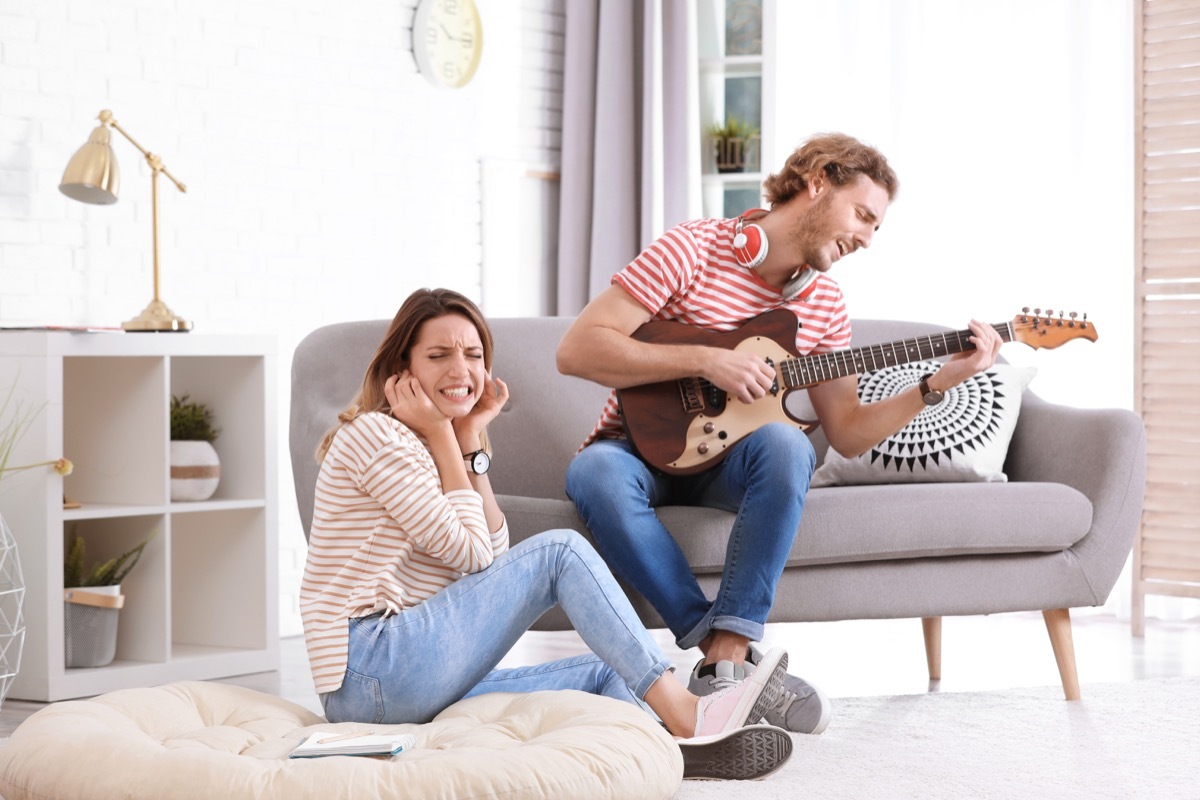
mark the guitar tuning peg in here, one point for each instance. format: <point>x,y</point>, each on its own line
<point>1084,323</point>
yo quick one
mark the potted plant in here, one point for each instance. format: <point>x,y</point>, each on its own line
<point>92,598</point>
<point>195,467</point>
<point>734,145</point>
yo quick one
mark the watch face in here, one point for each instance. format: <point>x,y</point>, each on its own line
<point>447,41</point>
<point>480,462</point>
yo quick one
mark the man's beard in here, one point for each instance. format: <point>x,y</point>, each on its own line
<point>812,234</point>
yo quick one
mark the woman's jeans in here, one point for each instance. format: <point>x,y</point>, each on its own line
<point>410,666</point>
<point>764,479</point>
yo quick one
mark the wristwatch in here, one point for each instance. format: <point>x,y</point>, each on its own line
<point>478,462</point>
<point>930,396</point>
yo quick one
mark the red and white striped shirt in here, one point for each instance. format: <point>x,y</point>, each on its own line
<point>384,536</point>
<point>690,275</point>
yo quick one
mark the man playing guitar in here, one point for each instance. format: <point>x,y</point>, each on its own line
<point>716,274</point>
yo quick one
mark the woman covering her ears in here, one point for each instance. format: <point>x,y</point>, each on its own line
<point>411,595</point>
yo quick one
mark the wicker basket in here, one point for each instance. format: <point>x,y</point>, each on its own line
<point>90,625</point>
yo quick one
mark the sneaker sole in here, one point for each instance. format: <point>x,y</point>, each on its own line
<point>745,754</point>
<point>769,696</point>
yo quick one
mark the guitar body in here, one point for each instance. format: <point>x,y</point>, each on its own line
<point>687,426</point>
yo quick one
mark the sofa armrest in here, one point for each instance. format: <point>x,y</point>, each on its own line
<point>1099,452</point>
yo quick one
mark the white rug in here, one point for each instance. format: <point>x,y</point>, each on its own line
<point>1127,740</point>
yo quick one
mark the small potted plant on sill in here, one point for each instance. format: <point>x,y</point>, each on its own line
<point>195,467</point>
<point>734,145</point>
<point>92,599</point>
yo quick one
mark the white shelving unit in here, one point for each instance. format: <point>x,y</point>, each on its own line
<point>202,601</point>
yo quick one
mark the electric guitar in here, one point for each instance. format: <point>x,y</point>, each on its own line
<point>686,426</point>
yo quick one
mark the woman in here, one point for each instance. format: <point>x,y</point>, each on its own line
<point>411,595</point>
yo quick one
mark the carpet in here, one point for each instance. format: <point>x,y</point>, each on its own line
<point>1126,740</point>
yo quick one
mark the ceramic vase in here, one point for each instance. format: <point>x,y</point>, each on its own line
<point>195,470</point>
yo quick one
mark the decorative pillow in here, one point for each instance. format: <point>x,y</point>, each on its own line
<point>963,438</point>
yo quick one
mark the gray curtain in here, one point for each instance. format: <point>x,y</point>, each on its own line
<point>631,141</point>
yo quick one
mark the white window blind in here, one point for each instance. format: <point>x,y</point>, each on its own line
<point>1167,296</point>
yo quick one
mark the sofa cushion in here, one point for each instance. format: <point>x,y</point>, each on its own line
<point>963,438</point>
<point>858,523</point>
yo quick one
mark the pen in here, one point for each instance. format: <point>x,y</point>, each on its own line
<point>344,736</point>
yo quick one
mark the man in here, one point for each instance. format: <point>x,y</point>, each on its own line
<point>828,201</point>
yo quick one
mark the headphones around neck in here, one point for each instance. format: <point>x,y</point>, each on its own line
<point>750,248</point>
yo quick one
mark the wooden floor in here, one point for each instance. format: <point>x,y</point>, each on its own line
<point>857,658</point>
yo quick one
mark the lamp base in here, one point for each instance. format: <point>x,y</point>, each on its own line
<point>156,317</point>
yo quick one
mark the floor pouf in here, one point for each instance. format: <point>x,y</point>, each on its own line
<point>209,740</point>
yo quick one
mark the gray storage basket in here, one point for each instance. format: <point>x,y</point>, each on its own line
<point>90,627</point>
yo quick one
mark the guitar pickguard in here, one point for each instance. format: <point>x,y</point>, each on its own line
<point>709,434</point>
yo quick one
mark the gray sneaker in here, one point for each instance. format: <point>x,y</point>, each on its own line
<point>802,707</point>
<point>742,754</point>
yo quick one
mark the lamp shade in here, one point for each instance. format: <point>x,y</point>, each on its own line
<point>92,175</point>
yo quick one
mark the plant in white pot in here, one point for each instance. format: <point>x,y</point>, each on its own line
<point>92,598</point>
<point>195,467</point>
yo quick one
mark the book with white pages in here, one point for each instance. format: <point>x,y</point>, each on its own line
<point>366,743</point>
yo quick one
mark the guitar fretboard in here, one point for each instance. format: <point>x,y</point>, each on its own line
<point>808,370</point>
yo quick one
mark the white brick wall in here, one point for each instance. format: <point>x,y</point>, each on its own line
<point>326,178</point>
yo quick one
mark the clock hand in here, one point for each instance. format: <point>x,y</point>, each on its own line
<point>448,35</point>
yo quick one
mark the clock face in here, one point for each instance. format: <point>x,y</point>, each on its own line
<point>447,41</point>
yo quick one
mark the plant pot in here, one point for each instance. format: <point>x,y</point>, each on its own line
<point>735,154</point>
<point>90,625</point>
<point>195,470</point>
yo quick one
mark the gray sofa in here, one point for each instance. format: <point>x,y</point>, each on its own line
<point>1054,537</point>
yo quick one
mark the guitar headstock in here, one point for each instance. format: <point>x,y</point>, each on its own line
<point>1042,329</point>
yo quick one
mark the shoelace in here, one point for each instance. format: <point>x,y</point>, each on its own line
<point>786,698</point>
<point>723,683</point>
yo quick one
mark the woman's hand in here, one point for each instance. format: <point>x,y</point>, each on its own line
<point>410,404</point>
<point>487,408</point>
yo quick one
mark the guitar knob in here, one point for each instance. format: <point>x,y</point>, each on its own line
<point>709,427</point>
<point>702,448</point>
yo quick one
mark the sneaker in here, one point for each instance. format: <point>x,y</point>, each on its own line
<point>742,754</point>
<point>801,708</point>
<point>734,703</point>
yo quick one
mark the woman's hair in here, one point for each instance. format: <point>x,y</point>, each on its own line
<point>395,351</point>
<point>840,157</point>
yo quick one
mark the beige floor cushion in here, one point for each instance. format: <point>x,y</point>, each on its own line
<point>207,740</point>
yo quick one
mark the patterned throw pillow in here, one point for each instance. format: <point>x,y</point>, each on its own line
<point>963,438</point>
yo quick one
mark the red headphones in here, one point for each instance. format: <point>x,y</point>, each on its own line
<point>750,244</point>
<point>750,248</point>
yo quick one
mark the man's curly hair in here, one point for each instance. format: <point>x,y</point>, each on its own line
<point>839,157</point>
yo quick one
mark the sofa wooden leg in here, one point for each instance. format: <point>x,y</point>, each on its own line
<point>1058,623</point>
<point>932,627</point>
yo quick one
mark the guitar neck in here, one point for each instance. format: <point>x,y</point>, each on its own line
<point>808,370</point>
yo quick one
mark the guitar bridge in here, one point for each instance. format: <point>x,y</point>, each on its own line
<point>692,394</point>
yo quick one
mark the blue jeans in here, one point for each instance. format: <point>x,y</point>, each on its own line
<point>764,480</point>
<point>410,666</point>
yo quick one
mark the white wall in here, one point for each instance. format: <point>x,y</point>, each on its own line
<point>326,178</point>
<point>1010,125</point>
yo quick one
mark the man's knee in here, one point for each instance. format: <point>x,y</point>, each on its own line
<point>786,445</point>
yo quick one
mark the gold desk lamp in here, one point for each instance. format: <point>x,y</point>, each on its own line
<point>92,177</point>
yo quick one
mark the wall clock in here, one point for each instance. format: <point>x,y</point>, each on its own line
<point>447,41</point>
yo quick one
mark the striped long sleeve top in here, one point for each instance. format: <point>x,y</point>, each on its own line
<point>384,536</point>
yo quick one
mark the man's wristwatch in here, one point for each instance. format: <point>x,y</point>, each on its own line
<point>930,396</point>
<point>478,462</point>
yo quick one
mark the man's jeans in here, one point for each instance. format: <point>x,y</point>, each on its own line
<point>764,480</point>
<point>410,666</point>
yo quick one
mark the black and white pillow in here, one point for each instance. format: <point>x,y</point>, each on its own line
<point>964,438</point>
